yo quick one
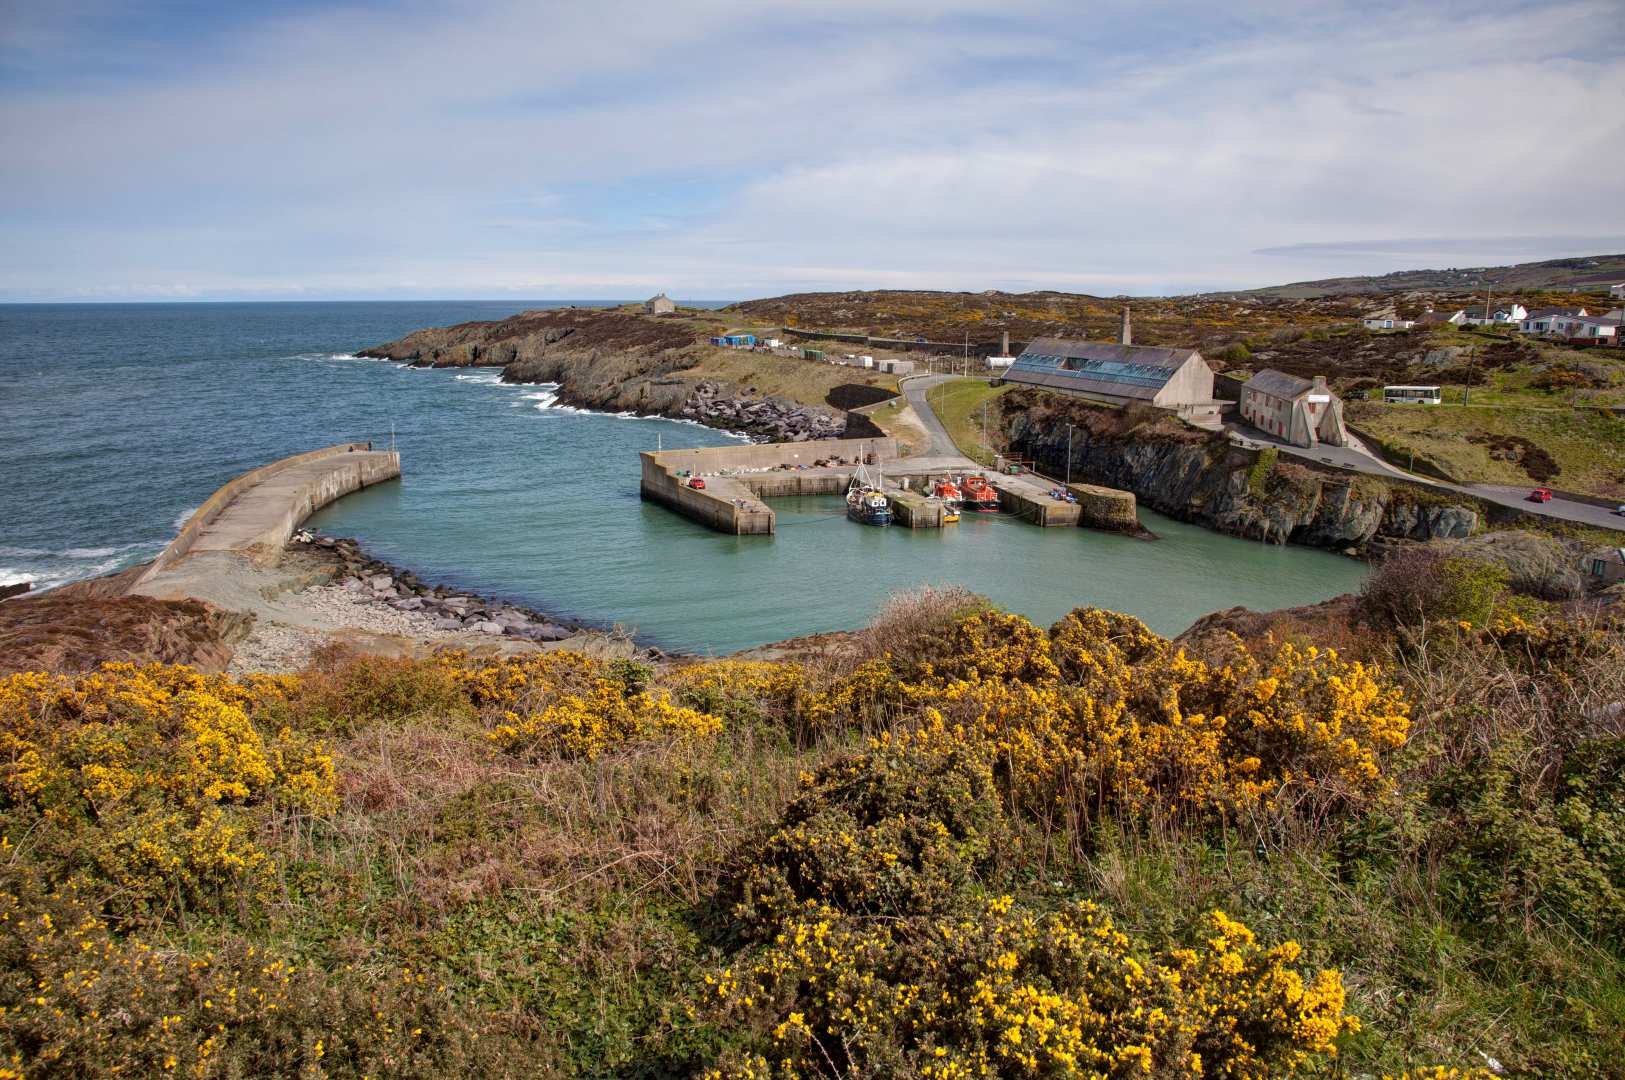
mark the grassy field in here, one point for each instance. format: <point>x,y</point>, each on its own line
<point>898,419</point>
<point>791,377</point>
<point>1504,445</point>
<point>959,406</point>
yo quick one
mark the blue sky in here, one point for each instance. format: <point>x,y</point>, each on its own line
<point>718,149</point>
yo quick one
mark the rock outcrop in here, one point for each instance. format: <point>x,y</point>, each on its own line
<point>611,361</point>
<point>67,631</point>
<point>776,420</point>
<point>1200,477</point>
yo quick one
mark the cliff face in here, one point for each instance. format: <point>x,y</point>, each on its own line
<point>612,362</point>
<point>1199,477</point>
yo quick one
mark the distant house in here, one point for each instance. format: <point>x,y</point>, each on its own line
<point>1441,318</point>
<point>1616,291</point>
<point>1486,315</point>
<point>1539,320</point>
<point>1303,412</point>
<point>1387,322</point>
<point>1607,565</point>
<point>1583,328</point>
<point>660,304</point>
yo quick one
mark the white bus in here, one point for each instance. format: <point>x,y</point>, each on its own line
<point>1410,395</point>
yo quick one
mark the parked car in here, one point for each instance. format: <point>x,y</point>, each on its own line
<point>1540,495</point>
<point>699,485</point>
<point>1620,510</point>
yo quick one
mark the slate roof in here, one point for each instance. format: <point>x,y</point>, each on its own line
<point>1103,368</point>
<point>1278,384</point>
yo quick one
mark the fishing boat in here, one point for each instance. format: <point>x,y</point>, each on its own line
<point>980,495</point>
<point>952,499</point>
<point>865,502</point>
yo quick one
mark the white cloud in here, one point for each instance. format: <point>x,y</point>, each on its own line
<point>717,145</point>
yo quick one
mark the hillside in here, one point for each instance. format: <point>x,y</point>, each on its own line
<point>1588,274</point>
<point>954,844</point>
<point>980,319</point>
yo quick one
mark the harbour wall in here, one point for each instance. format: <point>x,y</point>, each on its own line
<point>304,484</point>
<point>732,504</point>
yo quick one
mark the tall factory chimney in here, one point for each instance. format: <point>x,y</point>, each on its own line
<point>1004,346</point>
<point>1126,335</point>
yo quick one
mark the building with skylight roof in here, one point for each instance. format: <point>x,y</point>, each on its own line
<point>1178,380</point>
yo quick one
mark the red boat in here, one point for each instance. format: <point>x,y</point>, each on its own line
<point>980,495</point>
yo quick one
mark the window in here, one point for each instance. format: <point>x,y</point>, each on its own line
<point>1597,567</point>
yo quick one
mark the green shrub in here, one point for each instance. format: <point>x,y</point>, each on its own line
<point>1258,473</point>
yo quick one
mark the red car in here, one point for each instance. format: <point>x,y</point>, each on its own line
<point>1540,495</point>
<point>699,485</point>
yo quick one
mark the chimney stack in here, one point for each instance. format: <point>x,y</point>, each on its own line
<point>1126,335</point>
<point>1004,347</point>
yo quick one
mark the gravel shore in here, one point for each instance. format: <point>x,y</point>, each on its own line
<point>329,613</point>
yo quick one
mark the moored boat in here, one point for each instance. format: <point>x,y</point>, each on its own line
<point>952,499</point>
<point>865,502</point>
<point>980,495</point>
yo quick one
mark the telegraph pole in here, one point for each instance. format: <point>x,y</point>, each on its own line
<point>1069,455</point>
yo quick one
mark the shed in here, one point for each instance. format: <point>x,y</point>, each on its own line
<point>659,304</point>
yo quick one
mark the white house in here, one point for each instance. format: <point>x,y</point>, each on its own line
<point>1587,327</point>
<point>1488,316</point>
<point>1616,291</point>
<point>659,304</point>
<point>1539,321</point>
<point>1387,322</point>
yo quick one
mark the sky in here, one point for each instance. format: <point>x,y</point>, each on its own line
<point>713,149</point>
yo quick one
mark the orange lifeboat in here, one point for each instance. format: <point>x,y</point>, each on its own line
<point>980,495</point>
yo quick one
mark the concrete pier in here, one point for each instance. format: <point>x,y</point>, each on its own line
<point>912,510</point>
<point>253,516</point>
<point>738,478</point>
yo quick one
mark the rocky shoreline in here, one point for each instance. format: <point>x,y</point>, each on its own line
<point>436,608</point>
<point>613,362</point>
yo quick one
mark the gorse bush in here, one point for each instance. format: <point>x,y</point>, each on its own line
<point>956,844</point>
<point>1099,715</point>
<point>149,784</point>
<point>998,990</point>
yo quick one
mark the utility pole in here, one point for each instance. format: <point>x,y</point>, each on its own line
<point>1467,383</point>
<point>1069,455</point>
<point>984,428</point>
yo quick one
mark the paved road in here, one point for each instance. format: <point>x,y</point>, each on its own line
<point>1357,458</point>
<point>916,389</point>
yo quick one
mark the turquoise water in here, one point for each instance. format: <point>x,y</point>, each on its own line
<point>117,420</point>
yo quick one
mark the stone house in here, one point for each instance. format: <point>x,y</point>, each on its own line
<point>1302,412</point>
<point>659,304</point>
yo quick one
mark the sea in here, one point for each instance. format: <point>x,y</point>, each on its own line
<point>118,420</point>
